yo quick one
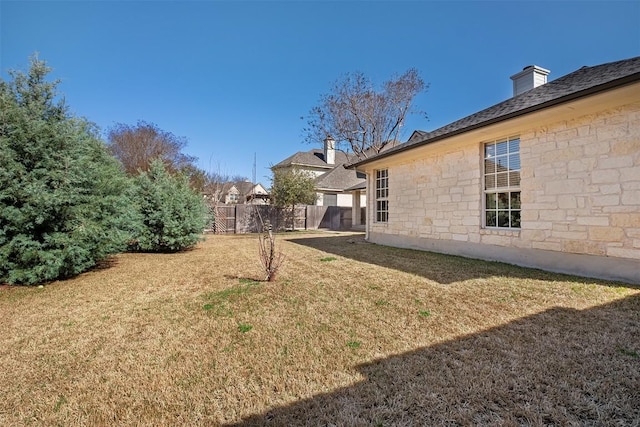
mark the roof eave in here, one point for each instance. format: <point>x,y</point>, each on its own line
<point>632,78</point>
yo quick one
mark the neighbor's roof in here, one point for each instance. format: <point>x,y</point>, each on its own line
<point>583,82</point>
<point>339,179</point>
<point>314,158</point>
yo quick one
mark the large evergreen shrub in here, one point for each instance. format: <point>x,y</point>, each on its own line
<point>63,203</point>
<point>173,215</point>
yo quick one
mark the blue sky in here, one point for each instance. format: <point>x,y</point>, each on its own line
<point>235,77</point>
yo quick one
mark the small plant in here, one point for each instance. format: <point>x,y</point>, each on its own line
<point>424,313</point>
<point>382,302</point>
<point>329,258</point>
<point>270,258</point>
<point>207,307</point>
<point>354,344</point>
<point>244,328</point>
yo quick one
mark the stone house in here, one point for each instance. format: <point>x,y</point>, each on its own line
<point>549,178</point>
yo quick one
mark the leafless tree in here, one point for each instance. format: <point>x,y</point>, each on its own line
<point>136,146</point>
<point>215,186</point>
<point>270,258</point>
<point>361,119</point>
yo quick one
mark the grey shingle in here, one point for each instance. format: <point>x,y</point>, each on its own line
<point>339,179</point>
<point>582,82</point>
<point>312,158</point>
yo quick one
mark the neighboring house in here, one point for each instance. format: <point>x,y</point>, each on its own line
<point>332,180</point>
<point>245,192</point>
<point>549,178</point>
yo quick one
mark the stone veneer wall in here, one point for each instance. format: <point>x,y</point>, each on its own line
<point>580,193</point>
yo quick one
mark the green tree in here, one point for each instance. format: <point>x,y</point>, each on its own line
<point>63,198</point>
<point>173,215</point>
<point>291,187</point>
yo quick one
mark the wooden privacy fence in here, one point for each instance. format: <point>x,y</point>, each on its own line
<point>242,219</point>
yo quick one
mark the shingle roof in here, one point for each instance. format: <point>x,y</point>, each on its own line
<point>312,158</point>
<point>583,82</point>
<point>339,179</point>
<point>244,187</point>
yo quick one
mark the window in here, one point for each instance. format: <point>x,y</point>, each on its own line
<point>382,195</point>
<point>502,183</point>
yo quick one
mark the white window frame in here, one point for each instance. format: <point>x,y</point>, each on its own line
<point>382,196</point>
<point>501,201</point>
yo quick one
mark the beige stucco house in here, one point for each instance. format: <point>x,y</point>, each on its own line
<point>549,178</point>
<point>332,181</point>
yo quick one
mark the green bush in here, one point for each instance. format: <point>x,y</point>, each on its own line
<point>63,198</point>
<point>173,216</point>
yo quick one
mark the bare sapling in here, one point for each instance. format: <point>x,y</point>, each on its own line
<point>270,258</point>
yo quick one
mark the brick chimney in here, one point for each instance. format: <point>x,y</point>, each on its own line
<point>329,150</point>
<point>530,77</point>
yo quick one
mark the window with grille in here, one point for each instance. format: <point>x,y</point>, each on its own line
<point>382,195</point>
<point>502,183</point>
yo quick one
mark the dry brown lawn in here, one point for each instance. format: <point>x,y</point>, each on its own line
<point>350,334</point>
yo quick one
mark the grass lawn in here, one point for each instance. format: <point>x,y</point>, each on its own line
<point>350,334</point>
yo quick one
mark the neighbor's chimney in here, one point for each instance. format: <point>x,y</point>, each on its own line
<point>530,77</point>
<point>329,150</point>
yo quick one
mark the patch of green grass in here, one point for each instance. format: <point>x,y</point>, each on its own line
<point>61,401</point>
<point>382,302</point>
<point>244,328</point>
<point>219,298</point>
<point>627,352</point>
<point>329,258</point>
<point>354,344</point>
<point>424,313</point>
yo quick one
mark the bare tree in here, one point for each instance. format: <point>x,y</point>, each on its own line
<point>361,119</point>
<point>136,146</point>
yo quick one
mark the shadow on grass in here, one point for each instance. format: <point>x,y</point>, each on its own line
<point>440,268</point>
<point>558,367</point>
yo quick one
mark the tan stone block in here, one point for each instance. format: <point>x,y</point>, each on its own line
<point>610,189</point>
<point>631,198</point>
<point>630,174</point>
<point>609,200</point>
<point>631,219</point>
<point>533,235</point>
<point>606,234</point>
<point>568,186</point>
<point>625,147</point>
<point>606,176</point>
<point>615,162</point>
<point>567,202</point>
<point>552,215</point>
<point>529,215</point>
<point>490,239</point>
<point>602,221</point>
<point>596,148</point>
<point>570,235</point>
<point>583,247</point>
<point>460,237</point>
